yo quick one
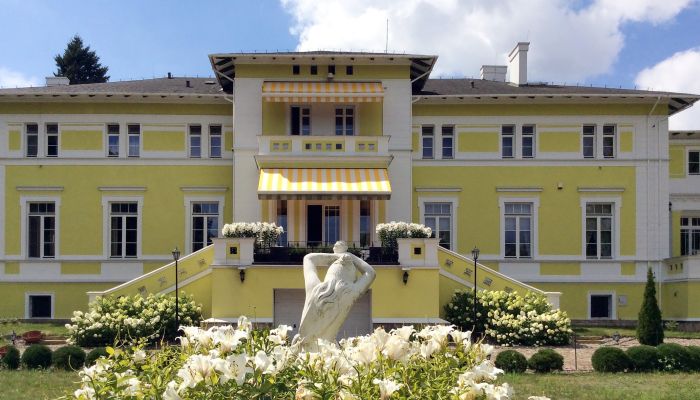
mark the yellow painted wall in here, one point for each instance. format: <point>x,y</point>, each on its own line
<point>366,72</point>
<point>163,141</point>
<point>228,141</point>
<point>81,140</point>
<point>478,141</point>
<point>574,298</point>
<point>117,108</point>
<point>274,116</point>
<point>369,118</point>
<point>77,268</point>
<point>68,297</point>
<point>626,141</point>
<point>560,269</point>
<point>12,268</point>
<point>559,141</point>
<point>677,164</point>
<point>434,110</point>
<point>200,289</point>
<point>15,140</point>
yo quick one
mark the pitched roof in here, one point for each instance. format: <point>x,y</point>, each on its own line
<point>156,86</point>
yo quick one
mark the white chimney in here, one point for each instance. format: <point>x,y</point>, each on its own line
<point>57,81</point>
<point>494,73</point>
<point>517,64</point>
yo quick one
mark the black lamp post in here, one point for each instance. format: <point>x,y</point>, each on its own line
<point>475,256</point>
<point>176,256</point>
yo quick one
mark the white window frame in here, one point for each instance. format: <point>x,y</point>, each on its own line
<point>533,135</point>
<point>303,229</point>
<point>687,158</point>
<point>613,303</point>
<point>301,108</point>
<point>106,237</point>
<point>534,242</point>
<point>123,230</point>
<point>58,139</point>
<point>128,136</point>
<point>221,140</point>
<point>689,227</point>
<point>422,138</point>
<point>453,136</point>
<point>344,115</point>
<point>617,204</point>
<point>514,144</point>
<point>24,228</point>
<point>188,215</point>
<point>189,141</point>
<point>454,209</point>
<point>119,136</point>
<point>25,140</point>
<point>27,295</point>
<point>595,141</point>
<point>614,136</point>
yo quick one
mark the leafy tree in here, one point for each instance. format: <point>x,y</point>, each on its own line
<point>79,64</point>
<point>650,328</point>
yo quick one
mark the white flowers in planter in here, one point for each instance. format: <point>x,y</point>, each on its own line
<point>267,233</point>
<point>389,232</point>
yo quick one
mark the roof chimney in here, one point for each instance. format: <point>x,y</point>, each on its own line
<point>494,73</point>
<point>57,81</point>
<point>170,76</point>
<point>517,63</point>
<point>187,84</point>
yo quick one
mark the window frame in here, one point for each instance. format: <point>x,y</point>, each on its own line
<point>205,217</point>
<point>26,140</point>
<point>533,136</point>
<point>188,203</point>
<point>613,303</point>
<point>27,304</point>
<point>423,137</point>
<point>692,229</point>
<point>534,225</point>
<point>301,120</point>
<point>24,224</point>
<point>55,135</point>
<point>42,231</point>
<point>106,225</point>
<point>451,135</point>
<point>422,201</point>
<point>220,136</point>
<point>687,164</point>
<point>123,229</point>
<point>129,135</point>
<point>518,217</point>
<point>190,136</point>
<point>616,203</point>
<point>612,135</point>
<point>344,115</point>
<point>108,135</point>
<point>593,137</point>
<point>503,136</point>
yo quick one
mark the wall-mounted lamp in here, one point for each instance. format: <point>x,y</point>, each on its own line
<point>241,274</point>
<point>405,276</point>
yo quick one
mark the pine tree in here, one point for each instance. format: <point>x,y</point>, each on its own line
<point>650,329</point>
<point>79,64</point>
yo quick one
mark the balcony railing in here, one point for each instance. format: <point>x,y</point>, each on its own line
<point>324,145</point>
<point>292,253</point>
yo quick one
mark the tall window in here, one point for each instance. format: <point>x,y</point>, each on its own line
<point>690,236</point>
<point>113,140</point>
<point>195,141</point>
<point>694,163</point>
<point>507,141</point>
<point>215,141</point>
<point>32,140</point>
<point>205,223</point>
<point>599,230</point>
<point>609,141</point>
<point>345,121</point>
<point>365,223</point>
<point>123,220</point>
<point>438,216</point>
<point>134,140</point>
<point>589,141</point>
<point>332,224</point>
<point>528,140</point>
<point>41,229</point>
<point>282,216</point>
<point>448,141</point>
<point>517,230</point>
<point>427,135</point>
<point>300,118</point>
<point>51,140</point>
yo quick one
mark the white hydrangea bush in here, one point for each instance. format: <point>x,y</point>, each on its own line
<point>389,232</point>
<point>267,233</point>
<point>245,363</point>
<point>511,319</point>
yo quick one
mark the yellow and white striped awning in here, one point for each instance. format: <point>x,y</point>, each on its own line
<point>322,92</point>
<point>324,183</point>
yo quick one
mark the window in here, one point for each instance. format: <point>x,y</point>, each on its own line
<point>589,141</point>
<point>215,141</point>
<point>51,140</point>
<point>345,121</point>
<point>599,230</point>
<point>528,141</point>
<point>123,219</point>
<point>332,223</point>
<point>365,223</point>
<point>41,229</point>
<point>134,133</point>
<point>282,221</point>
<point>517,230</point>
<point>295,69</point>
<point>195,141</point>
<point>39,306</point>
<point>507,141</point>
<point>438,217</point>
<point>300,121</point>
<point>428,140</point>
<point>349,70</point>
<point>609,141</point>
<point>694,163</point>
<point>314,70</point>
<point>690,236</point>
<point>205,223</point>
<point>448,141</point>
<point>601,306</point>
<point>331,69</point>
<point>113,140</point>
<point>32,140</point>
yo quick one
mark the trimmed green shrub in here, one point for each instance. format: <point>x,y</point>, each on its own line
<point>69,358</point>
<point>610,359</point>
<point>644,358</point>
<point>511,361</point>
<point>94,354</point>
<point>694,357</point>
<point>11,359</point>
<point>674,357</point>
<point>36,356</point>
<point>546,360</point>
<point>650,327</point>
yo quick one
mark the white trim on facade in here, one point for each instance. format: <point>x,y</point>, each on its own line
<point>106,237</point>
<point>188,200</point>
<point>454,209</point>
<point>535,201</point>
<point>24,215</point>
<point>27,295</point>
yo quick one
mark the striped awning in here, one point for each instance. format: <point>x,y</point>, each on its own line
<point>324,183</point>
<point>322,92</point>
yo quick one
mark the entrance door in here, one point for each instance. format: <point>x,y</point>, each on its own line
<point>314,224</point>
<point>601,306</point>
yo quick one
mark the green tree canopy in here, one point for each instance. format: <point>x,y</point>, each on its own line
<point>650,328</point>
<point>80,64</point>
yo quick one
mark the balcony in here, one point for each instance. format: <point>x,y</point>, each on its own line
<point>681,268</point>
<point>292,253</point>
<point>286,145</point>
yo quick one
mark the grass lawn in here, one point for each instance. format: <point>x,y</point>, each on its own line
<point>608,332</point>
<point>21,327</point>
<point>39,385</point>
<point>598,386</point>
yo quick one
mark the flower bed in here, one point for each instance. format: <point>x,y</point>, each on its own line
<point>389,232</point>
<point>241,363</point>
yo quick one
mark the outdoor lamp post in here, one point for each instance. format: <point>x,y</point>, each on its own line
<point>176,257</point>
<point>475,256</point>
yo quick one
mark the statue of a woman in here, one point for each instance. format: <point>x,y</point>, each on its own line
<point>328,303</point>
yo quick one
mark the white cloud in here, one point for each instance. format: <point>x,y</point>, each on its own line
<point>678,73</point>
<point>569,43</point>
<point>14,79</point>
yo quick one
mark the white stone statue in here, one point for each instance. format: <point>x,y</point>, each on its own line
<point>328,303</point>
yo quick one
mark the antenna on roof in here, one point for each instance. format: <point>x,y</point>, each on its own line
<point>386,45</point>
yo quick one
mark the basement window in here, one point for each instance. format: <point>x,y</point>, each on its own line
<point>39,306</point>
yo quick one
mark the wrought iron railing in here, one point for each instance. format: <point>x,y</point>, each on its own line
<point>293,253</point>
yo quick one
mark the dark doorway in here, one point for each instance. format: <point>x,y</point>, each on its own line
<point>39,306</point>
<point>601,306</point>
<point>314,225</point>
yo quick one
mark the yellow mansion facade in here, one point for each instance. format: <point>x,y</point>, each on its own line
<point>573,192</point>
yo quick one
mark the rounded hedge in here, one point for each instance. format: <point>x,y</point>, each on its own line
<point>11,359</point>
<point>511,361</point>
<point>94,354</point>
<point>546,360</point>
<point>610,359</point>
<point>674,357</point>
<point>694,357</point>
<point>644,358</point>
<point>69,358</point>
<point>36,356</point>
